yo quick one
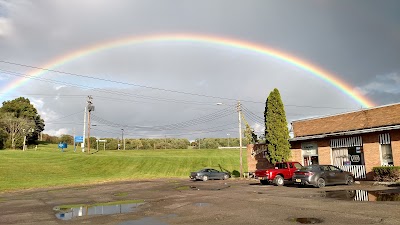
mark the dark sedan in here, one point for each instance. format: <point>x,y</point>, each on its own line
<point>209,174</point>
<point>321,175</point>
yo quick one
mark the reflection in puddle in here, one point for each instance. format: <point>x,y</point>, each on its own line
<point>201,204</point>
<point>212,188</point>
<point>109,208</point>
<point>144,221</point>
<point>362,195</point>
<point>306,220</point>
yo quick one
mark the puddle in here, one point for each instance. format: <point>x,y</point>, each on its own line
<point>67,212</point>
<point>121,194</point>
<point>306,220</point>
<point>201,204</point>
<point>362,195</point>
<point>209,188</point>
<point>144,221</point>
<point>183,188</point>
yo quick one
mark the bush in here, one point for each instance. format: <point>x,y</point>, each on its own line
<point>387,173</point>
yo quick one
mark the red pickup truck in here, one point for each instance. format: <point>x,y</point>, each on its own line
<point>282,171</point>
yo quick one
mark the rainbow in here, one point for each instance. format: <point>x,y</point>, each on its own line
<point>201,39</point>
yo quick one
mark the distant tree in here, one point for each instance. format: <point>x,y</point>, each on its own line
<point>50,139</point>
<point>25,112</point>
<point>16,129</point>
<point>276,130</point>
<point>67,139</point>
<point>249,135</point>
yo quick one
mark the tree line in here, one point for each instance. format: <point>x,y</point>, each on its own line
<point>148,143</point>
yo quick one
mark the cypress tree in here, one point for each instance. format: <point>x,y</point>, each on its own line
<point>276,130</point>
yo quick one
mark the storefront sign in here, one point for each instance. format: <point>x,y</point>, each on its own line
<point>355,158</point>
<point>309,148</point>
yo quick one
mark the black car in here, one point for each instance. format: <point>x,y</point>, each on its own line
<point>321,175</point>
<point>209,174</point>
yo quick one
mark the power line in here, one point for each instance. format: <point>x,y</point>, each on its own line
<point>115,81</point>
<point>150,87</point>
<point>119,93</point>
<point>201,120</point>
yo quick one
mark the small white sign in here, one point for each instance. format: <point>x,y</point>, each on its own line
<point>355,158</point>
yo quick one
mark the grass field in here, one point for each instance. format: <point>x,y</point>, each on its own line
<point>48,166</point>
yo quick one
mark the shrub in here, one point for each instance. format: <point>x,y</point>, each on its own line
<point>387,173</point>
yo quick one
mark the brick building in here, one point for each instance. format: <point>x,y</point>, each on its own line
<point>355,141</point>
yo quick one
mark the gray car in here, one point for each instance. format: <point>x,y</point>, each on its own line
<point>321,175</point>
<point>209,174</point>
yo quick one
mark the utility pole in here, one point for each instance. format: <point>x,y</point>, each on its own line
<point>90,108</point>
<point>123,140</point>
<point>239,109</point>
<point>228,138</point>
<point>84,129</point>
<point>165,142</point>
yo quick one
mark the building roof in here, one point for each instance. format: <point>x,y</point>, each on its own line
<point>353,132</point>
<point>356,121</point>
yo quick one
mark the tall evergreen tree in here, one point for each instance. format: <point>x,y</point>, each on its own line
<point>276,130</point>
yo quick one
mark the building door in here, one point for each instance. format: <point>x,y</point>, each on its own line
<point>310,160</point>
<point>305,161</point>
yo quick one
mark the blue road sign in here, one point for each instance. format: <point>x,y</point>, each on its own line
<point>62,145</point>
<point>78,139</point>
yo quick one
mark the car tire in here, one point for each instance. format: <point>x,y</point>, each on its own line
<point>264,182</point>
<point>226,176</point>
<point>350,180</point>
<point>205,178</point>
<point>279,181</point>
<point>320,183</point>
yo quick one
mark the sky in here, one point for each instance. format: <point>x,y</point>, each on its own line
<point>188,89</point>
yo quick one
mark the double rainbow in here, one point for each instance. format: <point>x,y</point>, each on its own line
<point>200,39</point>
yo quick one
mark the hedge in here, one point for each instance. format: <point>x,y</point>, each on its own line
<point>387,173</point>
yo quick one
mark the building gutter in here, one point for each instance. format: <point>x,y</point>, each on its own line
<point>344,133</point>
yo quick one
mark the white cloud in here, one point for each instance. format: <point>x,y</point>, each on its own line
<point>58,132</point>
<point>386,83</point>
<point>38,103</point>
<point>58,87</point>
<point>5,27</point>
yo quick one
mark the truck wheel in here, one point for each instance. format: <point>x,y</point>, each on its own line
<point>279,181</point>
<point>205,178</point>
<point>264,182</point>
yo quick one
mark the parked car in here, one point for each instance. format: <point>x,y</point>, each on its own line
<point>209,174</point>
<point>321,175</point>
<point>277,175</point>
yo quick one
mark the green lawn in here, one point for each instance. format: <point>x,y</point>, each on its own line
<point>49,167</point>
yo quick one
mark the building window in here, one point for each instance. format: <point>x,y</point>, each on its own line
<point>386,149</point>
<point>347,151</point>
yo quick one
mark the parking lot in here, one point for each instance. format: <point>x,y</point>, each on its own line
<point>182,201</point>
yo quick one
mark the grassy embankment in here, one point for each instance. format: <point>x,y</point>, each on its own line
<point>49,167</point>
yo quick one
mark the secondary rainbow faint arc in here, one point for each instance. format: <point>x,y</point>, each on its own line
<point>204,39</point>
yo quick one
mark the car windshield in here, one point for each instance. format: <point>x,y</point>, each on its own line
<point>308,168</point>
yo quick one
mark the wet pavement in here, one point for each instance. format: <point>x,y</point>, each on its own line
<point>181,201</point>
<point>364,195</point>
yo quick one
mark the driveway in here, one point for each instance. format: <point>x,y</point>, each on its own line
<point>181,201</point>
